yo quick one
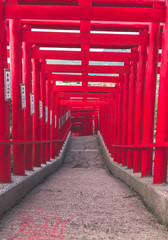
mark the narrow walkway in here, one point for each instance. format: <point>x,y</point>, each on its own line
<point>81,201</point>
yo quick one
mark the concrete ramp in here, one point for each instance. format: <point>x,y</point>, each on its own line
<point>82,201</point>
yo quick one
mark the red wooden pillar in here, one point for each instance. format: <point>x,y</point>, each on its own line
<point>43,123</point>
<point>36,116</point>
<point>125,118</point>
<point>17,112</point>
<point>131,113</point>
<point>110,124</point>
<point>27,79</point>
<point>115,126</point>
<point>149,100</point>
<point>112,109</point>
<point>48,104</point>
<point>160,162</point>
<point>52,129</point>
<point>57,100</point>
<point>119,125</point>
<point>96,120</point>
<point>5,163</point>
<point>139,107</point>
<point>85,28</point>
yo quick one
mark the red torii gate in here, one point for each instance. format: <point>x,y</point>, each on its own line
<point>124,113</point>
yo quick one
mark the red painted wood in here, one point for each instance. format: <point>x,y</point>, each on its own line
<point>28,122</point>
<point>80,78</point>
<point>89,89</point>
<point>160,162</point>
<point>17,113</point>
<point>36,120</point>
<point>131,113</point>
<point>85,13</point>
<point>52,127</point>
<point>88,69</point>
<point>119,124</point>
<point>125,118</point>
<point>139,107</point>
<point>149,101</point>
<point>48,104</point>
<point>43,124</point>
<point>84,38</point>
<point>5,163</point>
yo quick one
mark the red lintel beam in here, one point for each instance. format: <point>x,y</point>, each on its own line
<point>127,2</point>
<point>92,56</point>
<point>52,12</point>
<point>80,103</point>
<point>90,69</point>
<point>83,110</point>
<point>88,89</point>
<point>95,2</point>
<point>57,38</point>
<point>88,95</point>
<point>80,78</point>
<point>95,26</point>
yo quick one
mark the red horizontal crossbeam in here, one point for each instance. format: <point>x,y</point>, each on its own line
<point>81,103</point>
<point>87,95</point>
<point>80,115</point>
<point>87,69</point>
<point>92,56</point>
<point>52,12</point>
<point>85,89</point>
<point>80,78</point>
<point>96,2</point>
<point>148,145</point>
<point>75,39</point>
<point>95,26</point>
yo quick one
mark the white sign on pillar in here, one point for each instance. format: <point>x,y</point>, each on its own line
<point>7,84</point>
<point>32,109</point>
<point>55,121</point>
<point>40,109</point>
<point>46,114</point>
<point>23,95</point>
<point>59,121</point>
<point>50,117</point>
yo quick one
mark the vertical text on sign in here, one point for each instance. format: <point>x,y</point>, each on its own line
<point>32,109</point>
<point>46,114</point>
<point>7,84</point>
<point>55,121</point>
<point>50,117</point>
<point>23,96</point>
<point>40,109</point>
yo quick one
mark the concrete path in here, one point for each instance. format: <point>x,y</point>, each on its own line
<point>81,201</point>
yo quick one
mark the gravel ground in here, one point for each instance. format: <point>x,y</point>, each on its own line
<point>81,201</point>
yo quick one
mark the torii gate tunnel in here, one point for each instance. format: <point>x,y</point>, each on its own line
<point>122,44</point>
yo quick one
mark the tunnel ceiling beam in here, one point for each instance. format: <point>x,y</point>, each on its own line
<point>90,69</point>
<point>80,78</point>
<point>52,12</point>
<point>55,38</point>
<point>92,56</point>
<point>88,89</point>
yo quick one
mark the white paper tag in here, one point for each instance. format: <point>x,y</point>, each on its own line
<point>59,121</point>
<point>46,114</point>
<point>32,110</point>
<point>50,117</point>
<point>23,95</point>
<point>55,121</point>
<point>40,109</point>
<point>7,84</point>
